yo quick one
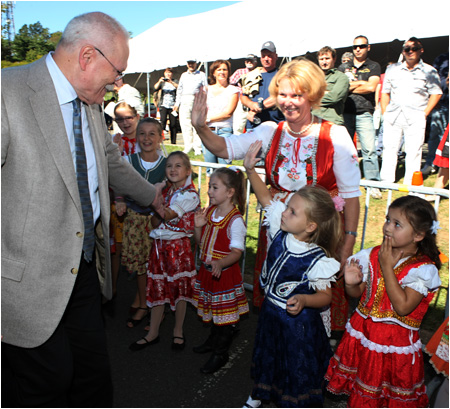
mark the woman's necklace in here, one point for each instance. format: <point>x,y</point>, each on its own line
<point>304,130</point>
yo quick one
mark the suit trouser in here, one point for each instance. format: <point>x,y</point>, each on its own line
<point>190,137</point>
<point>395,125</point>
<point>71,369</point>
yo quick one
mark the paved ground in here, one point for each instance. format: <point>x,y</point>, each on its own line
<point>158,377</point>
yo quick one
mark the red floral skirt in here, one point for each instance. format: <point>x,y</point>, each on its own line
<point>171,272</point>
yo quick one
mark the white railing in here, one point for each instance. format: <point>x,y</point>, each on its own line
<point>390,187</point>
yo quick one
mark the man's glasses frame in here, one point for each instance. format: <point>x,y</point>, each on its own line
<point>362,46</point>
<point>413,49</point>
<point>120,74</point>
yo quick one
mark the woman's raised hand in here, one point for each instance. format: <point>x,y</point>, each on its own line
<point>199,109</point>
<point>251,157</point>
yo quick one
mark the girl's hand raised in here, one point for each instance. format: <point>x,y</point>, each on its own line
<point>352,272</point>
<point>200,218</point>
<point>199,109</point>
<point>252,156</point>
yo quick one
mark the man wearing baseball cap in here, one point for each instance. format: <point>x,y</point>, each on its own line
<point>255,89</point>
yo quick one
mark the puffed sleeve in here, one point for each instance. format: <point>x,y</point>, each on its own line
<point>422,279</point>
<point>345,163</point>
<point>237,145</point>
<point>185,202</point>
<point>238,232</point>
<point>272,217</point>
<point>322,274</point>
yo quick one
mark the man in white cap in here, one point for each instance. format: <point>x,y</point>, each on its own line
<point>255,89</point>
<point>190,82</point>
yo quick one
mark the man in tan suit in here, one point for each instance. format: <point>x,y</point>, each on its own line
<point>53,340</point>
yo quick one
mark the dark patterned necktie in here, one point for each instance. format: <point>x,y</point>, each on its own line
<point>83,184</point>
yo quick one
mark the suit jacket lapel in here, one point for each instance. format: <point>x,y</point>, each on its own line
<point>49,118</point>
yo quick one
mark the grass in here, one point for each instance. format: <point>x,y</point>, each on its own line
<point>373,237</point>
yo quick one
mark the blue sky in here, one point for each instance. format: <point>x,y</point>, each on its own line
<point>136,16</point>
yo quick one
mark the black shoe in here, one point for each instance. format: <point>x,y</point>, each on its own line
<point>215,362</point>
<point>137,347</point>
<point>203,349</point>
<point>178,347</point>
<point>428,170</point>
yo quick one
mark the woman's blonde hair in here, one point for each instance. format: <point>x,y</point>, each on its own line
<point>320,209</point>
<point>305,76</point>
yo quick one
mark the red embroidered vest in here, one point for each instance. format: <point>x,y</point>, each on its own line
<point>375,301</point>
<point>216,236</point>
<point>323,160</point>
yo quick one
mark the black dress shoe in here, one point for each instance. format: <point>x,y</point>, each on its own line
<point>215,362</point>
<point>178,347</point>
<point>203,349</point>
<point>137,347</point>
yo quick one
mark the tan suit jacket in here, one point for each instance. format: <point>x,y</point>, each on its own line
<point>42,222</point>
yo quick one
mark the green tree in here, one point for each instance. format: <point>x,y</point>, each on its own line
<point>32,42</point>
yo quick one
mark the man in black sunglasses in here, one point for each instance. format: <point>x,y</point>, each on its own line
<point>411,89</point>
<point>364,76</point>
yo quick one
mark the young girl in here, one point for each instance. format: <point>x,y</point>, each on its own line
<point>291,350</point>
<point>171,268</point>
<point>219,293</point>
<point>136,240</point>
<point>127,118</point>
<point>379,362</point>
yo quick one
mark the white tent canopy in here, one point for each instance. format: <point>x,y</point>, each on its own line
<point>295,26</point>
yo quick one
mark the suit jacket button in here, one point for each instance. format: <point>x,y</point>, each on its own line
<point>79,234</point>
<point>74,271</point>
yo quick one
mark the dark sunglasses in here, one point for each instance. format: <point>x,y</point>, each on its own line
<point>362,46</point>
<point>413,49</point>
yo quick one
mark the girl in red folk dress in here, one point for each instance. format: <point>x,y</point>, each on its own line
<point>219,293</point>
<point>171,268</point>
<point>379,361</point>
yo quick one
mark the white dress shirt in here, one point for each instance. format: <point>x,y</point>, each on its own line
<point>66,94</point>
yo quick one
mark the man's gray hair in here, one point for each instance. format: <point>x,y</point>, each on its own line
<point>90,27</point>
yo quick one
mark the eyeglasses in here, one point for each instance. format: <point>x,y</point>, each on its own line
<point>362,46</point>
<point>120,74</point>
<point>125,118</point>
<point>413,49</point>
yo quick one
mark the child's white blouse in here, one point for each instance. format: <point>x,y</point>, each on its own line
<point>422,279</point>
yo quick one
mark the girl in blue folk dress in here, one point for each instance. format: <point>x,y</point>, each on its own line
<point>291,350</point>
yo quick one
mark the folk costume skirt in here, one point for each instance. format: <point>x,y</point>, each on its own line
<point>221,300</point>
<point>379,365</point>
<point>171,272</point>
